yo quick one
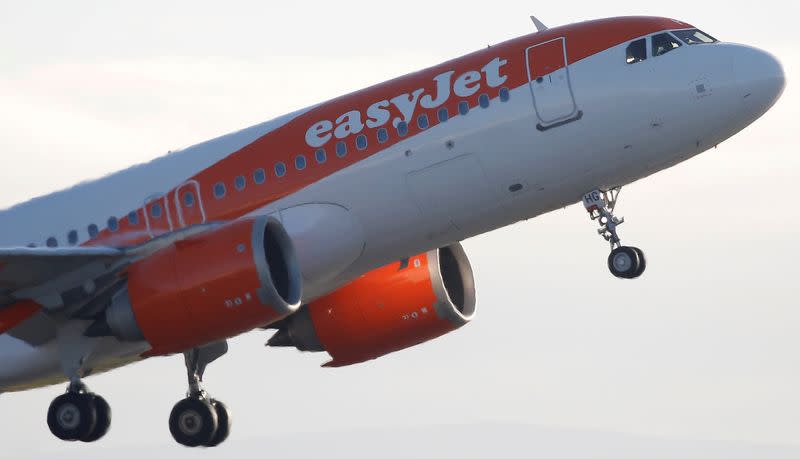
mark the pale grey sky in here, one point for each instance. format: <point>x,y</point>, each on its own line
<point>705,346</point>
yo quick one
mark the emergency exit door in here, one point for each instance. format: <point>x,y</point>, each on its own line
<point>548,76</point>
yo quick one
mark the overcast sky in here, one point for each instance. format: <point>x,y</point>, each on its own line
<point>704,346</point>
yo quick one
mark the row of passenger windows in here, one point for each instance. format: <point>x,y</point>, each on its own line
<point>92,230</point>
<point>663,43</point>
<point>72,237</point>
<point>361,143</point>
<point>280,168</point>
<point>112,224</point>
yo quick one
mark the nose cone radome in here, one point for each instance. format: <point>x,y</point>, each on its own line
<point>761,78</point>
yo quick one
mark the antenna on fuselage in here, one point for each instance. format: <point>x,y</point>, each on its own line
<point>539,26</point>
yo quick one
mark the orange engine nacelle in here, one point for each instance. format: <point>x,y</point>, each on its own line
<point>388,309</point>
<point>208,287</point>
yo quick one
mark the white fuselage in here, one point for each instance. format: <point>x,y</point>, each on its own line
<point>470,175</point>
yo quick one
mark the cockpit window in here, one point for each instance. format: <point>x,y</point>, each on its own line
<point>636,51</point>
<point>694,37</point>
<point>664,43</point>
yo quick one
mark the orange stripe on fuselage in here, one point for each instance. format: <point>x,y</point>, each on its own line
<point>285,143</point>
<point>11,316</point>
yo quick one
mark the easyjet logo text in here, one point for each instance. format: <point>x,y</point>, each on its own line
<point>404,105</point>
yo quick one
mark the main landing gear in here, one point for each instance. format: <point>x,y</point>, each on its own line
<point>623,262</point>
<point>199,420</point>
<point>79,415</point>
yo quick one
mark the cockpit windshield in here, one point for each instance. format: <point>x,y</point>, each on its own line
<point>664,43</point>
<point>694,37</point>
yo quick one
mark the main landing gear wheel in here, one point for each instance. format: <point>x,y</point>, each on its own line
<point>199,420</point>
<point>224,424</point>
<point>103,411</point>
<point>72,416</point>
<point>193,422</point>
<point>623,262</point>
<point>79,415</point>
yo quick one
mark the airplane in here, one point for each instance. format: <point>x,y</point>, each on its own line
<point>338,225</point>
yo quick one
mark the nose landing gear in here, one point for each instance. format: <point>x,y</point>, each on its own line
<point>623,261</point>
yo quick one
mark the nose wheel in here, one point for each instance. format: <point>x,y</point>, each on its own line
<point>624,262</point>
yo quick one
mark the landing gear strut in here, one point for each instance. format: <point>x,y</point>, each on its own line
<point>623,262</point>
<point>79,415</point>
<point>199,420</point>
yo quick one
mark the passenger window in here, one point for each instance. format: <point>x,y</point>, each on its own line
<point>219,190</point>
<point>52,242</point>
<point>155,211</point>
<point>188,199</point>
<point>402,128</point>
<point>341,149</point>
<point>636,51</point>
<point>504,95</point>
<point>72,237</point>
<point>483,100</point>
<point>280,169</point>
<point>113,224</point>
<point>463,107</point>
<point>422,121</point>
<point>239,182</point>
<point>443,114</point>
<point>383,135</point>
<point>259,176</point>
<point>361,142</point>
<point>300,162</point>
<point>133,218</point>
<point>664,43</point>
<point>93,230</point>
<point>321,156</point>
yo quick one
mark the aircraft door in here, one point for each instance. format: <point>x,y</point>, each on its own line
<point>157,215</point>
<point>548,76</point>
<point>189,204</point>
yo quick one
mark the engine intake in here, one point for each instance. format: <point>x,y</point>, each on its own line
<point>391,308</point>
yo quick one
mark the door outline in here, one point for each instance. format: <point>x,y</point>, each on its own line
<point>198,201</point>
<point>149,200</point>
<point>575,114</point>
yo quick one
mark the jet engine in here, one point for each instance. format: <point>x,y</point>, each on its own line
<point>208,287</point>
<point>388,309</point>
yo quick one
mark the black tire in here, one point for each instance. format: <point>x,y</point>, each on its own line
<point>72,416</point>
<point>103,411</point>
<point>193,422</point>
<point>224,424</point>
<point>623,262</point>
<point>642,263</point>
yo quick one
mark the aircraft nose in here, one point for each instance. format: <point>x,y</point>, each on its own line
<point>760,76</point>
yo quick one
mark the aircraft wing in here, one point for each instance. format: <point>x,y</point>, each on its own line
<point>69,277</point>
<point>66,283</point>
<point>26,272</point>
